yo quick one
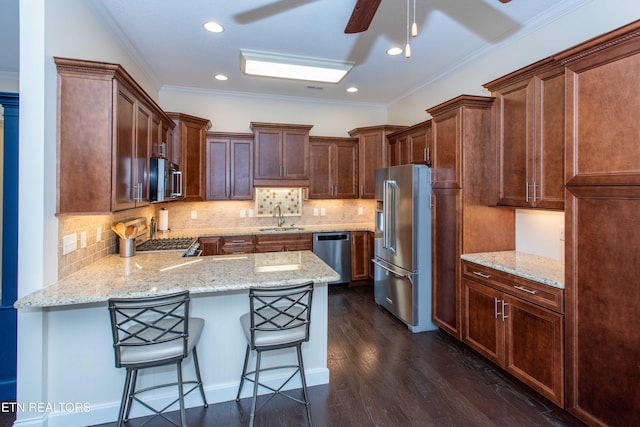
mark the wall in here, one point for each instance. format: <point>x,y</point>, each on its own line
<point>538,232</point>
<point>234,113</point>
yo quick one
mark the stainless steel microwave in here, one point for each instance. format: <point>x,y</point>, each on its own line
<point>165,181</point>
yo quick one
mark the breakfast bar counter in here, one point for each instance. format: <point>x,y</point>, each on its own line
<point>78,342</point>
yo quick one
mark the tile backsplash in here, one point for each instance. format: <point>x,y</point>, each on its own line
<point>199,215</point>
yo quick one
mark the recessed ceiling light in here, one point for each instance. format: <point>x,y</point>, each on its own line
<point>221,77</point>
<point>394,51</point>
<point>213,27</point>
<point>352,89</point>
<point>278,65</point>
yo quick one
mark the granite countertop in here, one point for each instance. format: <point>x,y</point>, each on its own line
<point>155,273</point>
<point>541,269</point>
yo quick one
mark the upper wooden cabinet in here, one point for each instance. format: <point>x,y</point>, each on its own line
<point>372,154</point>
<point>229,166</point>
<point>529,123</point>
<point>411,145</point>
<point>281,154</point>
<point>106,135</point>
<point>462,221</point>
<point>189,140</point>
<point>334,168</point>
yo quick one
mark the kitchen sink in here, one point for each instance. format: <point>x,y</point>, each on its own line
<point>282,229</point>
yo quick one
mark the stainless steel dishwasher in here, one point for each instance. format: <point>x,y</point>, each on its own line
<point>335,250</point>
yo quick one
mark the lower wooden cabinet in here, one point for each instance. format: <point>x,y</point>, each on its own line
<point>360,255</point>
<point>517,324</point>
<point>210,245</point>
<point>238,245</point>
<point>284,242</point>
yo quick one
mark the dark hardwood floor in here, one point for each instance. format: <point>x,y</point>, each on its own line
<point>383,375</point>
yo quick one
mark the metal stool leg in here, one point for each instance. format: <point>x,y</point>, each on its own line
<point>244,371</point>
<point>304,383</point>
<point>132,392</point>
<point>198,377</point>
<point>183,421</point>
<point>125,397</point>
<point>255,388</point>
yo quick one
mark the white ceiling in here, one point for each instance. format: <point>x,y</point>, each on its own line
<point>168,39</point>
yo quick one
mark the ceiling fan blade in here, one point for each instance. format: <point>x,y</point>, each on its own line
<point>362,15</point>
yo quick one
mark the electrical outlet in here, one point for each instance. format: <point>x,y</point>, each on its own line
<point>243,213</point>
<point>251,213</point>
<point>323,211</point>
<point>83,239</point>
<point>360,211</point>
<point>98,234</point>
<point>315,211</point>
<point>194,214</point>
<point>69,243</point>
<point>561,233</point>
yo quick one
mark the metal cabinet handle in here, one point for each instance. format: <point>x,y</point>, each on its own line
<point>526,192</point>
<point>504,305</point>
<point>522,288</point>
<point>485,276</point>
<point>495,308</point>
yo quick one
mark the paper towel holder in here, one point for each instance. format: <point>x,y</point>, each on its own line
<point>163,220</point>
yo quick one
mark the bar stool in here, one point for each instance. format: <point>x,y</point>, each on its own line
<point>150,332</point>
<point>278,318</point>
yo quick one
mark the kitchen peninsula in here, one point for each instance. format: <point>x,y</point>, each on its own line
<point>79,351</point>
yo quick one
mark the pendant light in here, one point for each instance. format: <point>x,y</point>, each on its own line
<point>407,48</point>
<point>412,28</point>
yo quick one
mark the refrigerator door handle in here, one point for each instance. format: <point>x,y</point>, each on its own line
<point>409,276</point>
<point>389,212</point>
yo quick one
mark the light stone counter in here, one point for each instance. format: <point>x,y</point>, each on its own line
<point>541,269</point>
<point>149,273</point>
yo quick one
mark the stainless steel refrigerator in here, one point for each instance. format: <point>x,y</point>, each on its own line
<point>402,262</point>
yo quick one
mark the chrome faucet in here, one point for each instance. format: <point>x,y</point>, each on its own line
<point>279,214</point>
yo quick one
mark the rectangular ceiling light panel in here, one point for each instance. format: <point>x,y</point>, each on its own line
<point>282,66</point>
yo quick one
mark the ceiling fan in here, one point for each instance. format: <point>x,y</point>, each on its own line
<point>363,13</point>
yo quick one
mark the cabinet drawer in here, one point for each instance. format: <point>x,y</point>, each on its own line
<point>528,290</point>
<point>284,238</point>
<point>239,240</point>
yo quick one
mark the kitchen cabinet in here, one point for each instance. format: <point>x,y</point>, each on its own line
<point>333,168</point>
<point>190,139</point>
<point>105,138</point>
<point>602,236</point>
<point>237,245</point>
<point>411,145</point>
<point>360,255</point>
<point>517,324</point>
<point>529,123</point>
<point>284,242</point>
<point>462,220</point>
<point>210,245</point>
<point>372,154</point>
<point>281,154</point>
<point>229,166</point>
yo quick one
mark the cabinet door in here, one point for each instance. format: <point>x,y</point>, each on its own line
<point>548,156</point>
<point>360,255</point>
<point>534,351</point>
<point>515,146</point>
<point>295,154</point>
<point>447,147</point>
<point>268,154</point>
<point>445,259</point>
<point>123,188</point>
<point>345,172</point>
<point>370,159</point>
<point>193,167</point>
<point>483,328</point>
<point>217,169</point>
<point>420,147</point>
<point>241,170</point>
<point>209,245</point>
<point>320,179</point>
<point>141,162</point>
